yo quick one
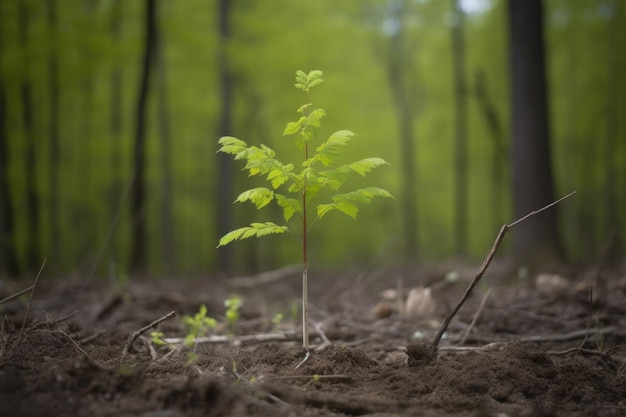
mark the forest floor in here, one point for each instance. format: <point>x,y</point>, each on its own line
<point>538,348</point>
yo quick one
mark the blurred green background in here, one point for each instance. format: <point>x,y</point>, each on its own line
<point>73,109</point>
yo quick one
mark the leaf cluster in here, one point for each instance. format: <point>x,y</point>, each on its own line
<point>293,189</point>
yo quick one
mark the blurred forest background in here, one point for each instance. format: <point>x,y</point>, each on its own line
<point>110,112</point>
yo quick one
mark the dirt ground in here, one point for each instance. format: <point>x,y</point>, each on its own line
<point>542,347</point>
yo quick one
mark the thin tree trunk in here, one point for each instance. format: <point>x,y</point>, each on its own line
<point>533,181</point>
<point>8,256</point>
<point>460,128</point>
<point>499,154</point>
<point>53,134</point>
<point>224,176</point>
<point>167,228</point>
<point>33,253</point>
<point>138,197</point>
<point>611,159</point>
<point>116,188</point>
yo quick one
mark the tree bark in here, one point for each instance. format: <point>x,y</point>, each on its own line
<point>499,156</point>
<point>224,162</point>
<point>55,242</point>
<point>537,241</point>
<point>165,139</point>
<point>460,129</point>
<point>138,194</point>
<point>8,256</point>
<point>33,250</point>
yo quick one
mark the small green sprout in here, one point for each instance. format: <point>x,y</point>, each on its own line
<point>198,326</point>
<point>277,319</point>
<point>232,304</point>
<point>157,338</point>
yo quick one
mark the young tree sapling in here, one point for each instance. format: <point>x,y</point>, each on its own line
<point>316,172</point>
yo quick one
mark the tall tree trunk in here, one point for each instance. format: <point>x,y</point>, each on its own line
<point>611,158</point>
<point>224,163</point>
<point>499,153</point>
<point>167,228</point>
<point>537,240</point>
<point>53,134</point>
<point>401,85</point>
<point>33,251</point>
<point>8,256</point>
<point>138,197</point>
<point>460,128</point>
<point>116,188</point>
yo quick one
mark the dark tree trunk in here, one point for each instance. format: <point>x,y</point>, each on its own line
<point>224,175</point>
<point>167,228</point>
<point>8,256</point>
<point>138,194</point>
<point>499,156</point>
<point>53,134</point>
<point>611,158</point>
<point>33,251</point>
<point>116,191</point>
<point>536,241</point>
<point>460,129</point>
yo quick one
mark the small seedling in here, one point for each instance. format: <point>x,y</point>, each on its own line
<point>157,338</point>
<point>197,326</point>
<point>232,304</point>
<point>316,172</point>
<point>277,319</point>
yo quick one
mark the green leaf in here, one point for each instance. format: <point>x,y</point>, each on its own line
<point>364,195</point>
<point>231,145</point>
<point>279,176</point>
<point>290,206</point>
<point>255,229</point>
<point>260,196</point>
<point>291,128</point>
<point>346,203</point>
<point>314,78</point>
<point>314,119</point>
<point>329,151</point>
<point>364,166</point>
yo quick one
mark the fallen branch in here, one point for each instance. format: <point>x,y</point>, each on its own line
<point>17,294</point>
<point>30,303</point>
<point>238,340</point>
<point>264,277</point>
<point>81,350</point>
<point>577,334</point>
<point>473,323</point>
<point>505,228</point>
<point>129,345</point>
<point>308,377</point>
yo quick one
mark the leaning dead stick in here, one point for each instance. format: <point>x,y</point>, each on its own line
<point>129,345</point>
<point>505,228</point>
<point>17,294</point>
<point>30,303</point>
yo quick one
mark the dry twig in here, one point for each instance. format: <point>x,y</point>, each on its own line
<point>505,228</point>
<point>238,340</point>
<point>30,303</point>
<point>129,345</point>
<point>471,326</point>
<point>17,294</point>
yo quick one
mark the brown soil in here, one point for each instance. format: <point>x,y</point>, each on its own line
<point>76,365</point>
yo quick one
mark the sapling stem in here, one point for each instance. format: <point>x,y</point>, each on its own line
<point>505,228</point>
<point>305,278</point>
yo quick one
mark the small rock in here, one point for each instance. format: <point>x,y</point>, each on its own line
<point>420,304</point>
<point>551,284</point>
